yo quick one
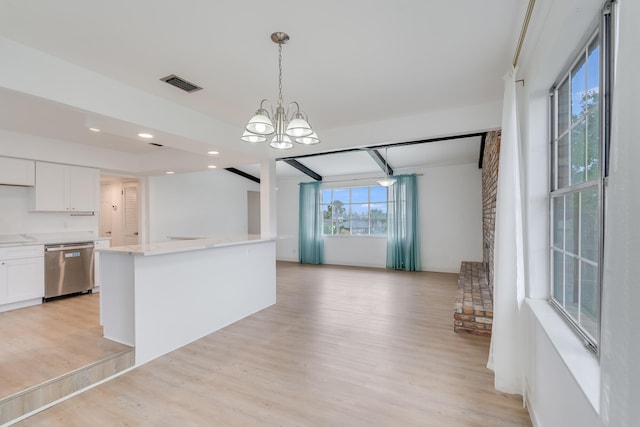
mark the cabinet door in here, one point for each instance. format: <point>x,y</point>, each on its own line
<point>17,171</point>
<point>23,279</point>
<point>51,187</point>
<point>84,189</point>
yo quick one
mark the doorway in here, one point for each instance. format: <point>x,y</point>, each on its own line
<point>119,210</point>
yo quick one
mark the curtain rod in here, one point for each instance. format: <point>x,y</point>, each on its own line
<point>356,179</point>
<point>523,32</point>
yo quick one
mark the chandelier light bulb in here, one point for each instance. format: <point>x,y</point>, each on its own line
<point>308,140</point>
<point>252,137</point>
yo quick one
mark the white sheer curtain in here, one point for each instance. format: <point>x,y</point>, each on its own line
<point>505,355</point>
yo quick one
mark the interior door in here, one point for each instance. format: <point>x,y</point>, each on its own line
<point>106,211</point>
<point>131,234</point>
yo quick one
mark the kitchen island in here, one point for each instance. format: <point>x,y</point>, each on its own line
<point>159,297</point>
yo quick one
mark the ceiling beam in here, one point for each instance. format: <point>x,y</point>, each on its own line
<point>397,144</point>
<point>243,174</point>
<point>302,168</point>
<point>481,156</point>
<point>380,161</point>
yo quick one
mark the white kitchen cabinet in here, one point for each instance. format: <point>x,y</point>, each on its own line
<point>21,275</point>
<point>64,188</point>
<point>17,172</point>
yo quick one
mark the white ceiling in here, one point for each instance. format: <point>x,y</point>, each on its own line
<point>348,62</point>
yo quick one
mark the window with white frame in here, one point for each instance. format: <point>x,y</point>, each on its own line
<point>579,143</point>
<point>353,211</point>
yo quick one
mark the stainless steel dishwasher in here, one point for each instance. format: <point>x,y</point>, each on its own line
<point>68,269</point>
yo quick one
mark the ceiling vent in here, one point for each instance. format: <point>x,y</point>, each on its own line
<point>155,144</point>
<point>181,83</point>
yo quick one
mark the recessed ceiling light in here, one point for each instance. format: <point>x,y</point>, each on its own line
<point>94,129</point>
<point>213,153</point>
<point>145,135</point>
<point>212,166</point>
<point>169,172</point>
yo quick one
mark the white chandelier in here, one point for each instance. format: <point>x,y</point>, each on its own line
<point>287,127</point>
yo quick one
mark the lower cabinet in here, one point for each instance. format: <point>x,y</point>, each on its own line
<point>21,274</point>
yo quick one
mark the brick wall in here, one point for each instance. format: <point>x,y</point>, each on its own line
<point>489,189</point>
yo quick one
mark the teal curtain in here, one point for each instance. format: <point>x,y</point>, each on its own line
<point>403,239</point>
<point>310,240</point>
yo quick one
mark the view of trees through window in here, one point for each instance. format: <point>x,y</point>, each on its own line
<point>354,211</point>
<point>575,192</point>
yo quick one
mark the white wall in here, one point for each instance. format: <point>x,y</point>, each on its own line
<point>16,218</point>
<point>450,210</point>
<point>450,216</point>
<point>196,204</point>
<point>13,144</point>
<point>620,315</point>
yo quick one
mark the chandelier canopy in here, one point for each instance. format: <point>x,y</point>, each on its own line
<point>285,125</point>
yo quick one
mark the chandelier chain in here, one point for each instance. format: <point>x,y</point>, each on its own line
<point>280,100</point>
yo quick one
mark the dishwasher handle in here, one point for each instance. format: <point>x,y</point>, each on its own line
<point>66,248</point>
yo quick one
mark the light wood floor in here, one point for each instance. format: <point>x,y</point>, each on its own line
<point>342,346</point>
<point>45,341</point>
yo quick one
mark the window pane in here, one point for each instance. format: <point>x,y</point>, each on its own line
<point>578,90</point>
<point>589,225</point>
<point>326,218</point>
<point>360,211</point>
<point>571,286</point>
<point>590,299</point>
<point>359,226</point>
<point>593,144</point>
<point>558,222</point>
<point>341,225</point>
<point>558,269</point>
<point>572,209</point>
<point>593,70</point>
<point>563,107</point>
<point>339,210</point>
<point>327,226</point>
<point>563,161</point>
<point>379,227</point>
<point>593,112</point>
<point>341,194</point>
<point>378,210</point>
<point>360,195</point>
<point>578,148</point>
<point>378,194</point>
<point>326,196</point>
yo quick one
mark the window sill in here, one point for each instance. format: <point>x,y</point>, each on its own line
<point>581,362</point>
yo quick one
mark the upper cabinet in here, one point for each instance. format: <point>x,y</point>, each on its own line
<point>17,172</point>
<point>64,188</point>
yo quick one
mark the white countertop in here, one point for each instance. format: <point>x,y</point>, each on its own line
<point>48,238</point>
<point>183,244</point>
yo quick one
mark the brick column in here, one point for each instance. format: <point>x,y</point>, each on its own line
<point>489,188</point>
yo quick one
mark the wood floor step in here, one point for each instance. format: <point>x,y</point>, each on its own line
<point>19,404</point>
